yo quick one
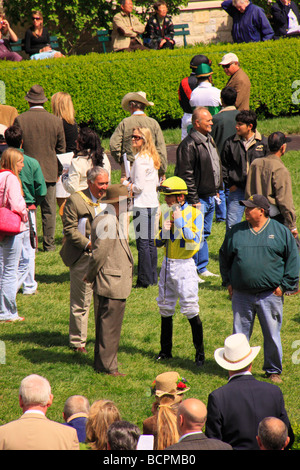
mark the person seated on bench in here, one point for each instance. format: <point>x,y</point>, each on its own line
<point>7,35</point>
<point>159,32</point>
<point>37,39</point>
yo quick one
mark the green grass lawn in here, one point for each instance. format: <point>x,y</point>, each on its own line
<point>40,344</point>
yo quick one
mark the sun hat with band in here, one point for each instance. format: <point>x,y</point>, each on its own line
<point>139,96</point>
<point>115,193</point>
<point>236,353</point>
<point>169,383</point>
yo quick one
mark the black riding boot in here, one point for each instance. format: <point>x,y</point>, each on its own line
<point>166,338</point>
<point>197,332</point>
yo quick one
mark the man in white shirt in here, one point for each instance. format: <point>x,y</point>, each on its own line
<point>205,94</point>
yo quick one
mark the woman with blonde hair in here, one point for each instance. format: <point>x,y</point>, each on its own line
<point>62,107</point>
<point>168,389</point>
<point>11,197</point>
<point>143,183</point>
<point>37,39</point>
<point>102,414</point>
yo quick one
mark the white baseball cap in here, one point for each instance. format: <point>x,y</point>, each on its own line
<point>228,58</point>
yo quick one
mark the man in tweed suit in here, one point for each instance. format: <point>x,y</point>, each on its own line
<point>191,418</point>
<point>111,270</point>
<point>43,139</point>
<point>79,211</point>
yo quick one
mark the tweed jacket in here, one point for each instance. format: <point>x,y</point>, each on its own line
<point>198,441</point>
<point>125,28</point>
<point>33,431</point>
<point>111,264</point>
<point>76,209</point>
<point>43,139</point>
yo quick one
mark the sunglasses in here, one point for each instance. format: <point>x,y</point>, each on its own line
<point>226,66</point>
<point>35,18</point>
<point>136,137</point>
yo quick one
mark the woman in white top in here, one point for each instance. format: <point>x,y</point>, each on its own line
<point>143,185</point>
<point>89,153</point>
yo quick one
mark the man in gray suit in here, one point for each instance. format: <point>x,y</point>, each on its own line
<point>191,418</point>
<point>43,139</point>
<point>111,270</point>
<point>79,211</point>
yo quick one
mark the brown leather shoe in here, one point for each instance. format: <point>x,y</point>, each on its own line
<point>116,374</point>
<point>275,378</point>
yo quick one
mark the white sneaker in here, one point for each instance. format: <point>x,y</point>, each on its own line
<point>200,280</point>
<point>207,273</point>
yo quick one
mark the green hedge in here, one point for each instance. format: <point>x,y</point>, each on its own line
<point>97,82</point>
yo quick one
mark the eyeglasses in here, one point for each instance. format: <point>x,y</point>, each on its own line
<point>226,66</point>
<point>136,137</point>
<point>36,18</point>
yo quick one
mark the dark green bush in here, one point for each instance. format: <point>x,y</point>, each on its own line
<point>97,82</point>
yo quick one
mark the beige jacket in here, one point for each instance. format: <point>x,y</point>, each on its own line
<point>125,28</point>
<point>111,264</point>
<point>241,83</point>
<point>33,431</point>
<point>269,176</point>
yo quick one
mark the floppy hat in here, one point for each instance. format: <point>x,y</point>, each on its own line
<point>228,58</point>
<point>236,353</point>
<point>256,200</point>
<point>114,193</point>
<point>36,95</point>
<point>169,383</point>
<point>138,96</point>
<point>203,70</point>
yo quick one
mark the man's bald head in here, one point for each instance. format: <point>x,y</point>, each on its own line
<point>191,416</point>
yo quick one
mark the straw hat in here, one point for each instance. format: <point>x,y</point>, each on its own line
<point>237,353</point>
<point>170,383</point>
<point>140,96</point>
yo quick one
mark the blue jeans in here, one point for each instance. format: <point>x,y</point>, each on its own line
<point>144,227</point>
<point>207,208</point>
<point>235,212</point>
<point>220,209</point>
<point>269,310</point>
<point>10,254</point>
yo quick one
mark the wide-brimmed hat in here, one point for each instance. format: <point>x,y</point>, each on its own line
<point>169,383</point>
<point>36,95</point>
<point>139,96</point>
<point>256,200</point>
<point>229,58</point>
<point>115,193</point>
<point>236,353</point>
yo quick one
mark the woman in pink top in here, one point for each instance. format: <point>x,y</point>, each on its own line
<point>11,246</point>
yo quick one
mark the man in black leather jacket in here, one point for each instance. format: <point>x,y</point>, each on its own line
<point>198,164</point>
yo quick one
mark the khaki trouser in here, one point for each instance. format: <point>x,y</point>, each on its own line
<point>80,300</point>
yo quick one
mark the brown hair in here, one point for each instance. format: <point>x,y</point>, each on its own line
<point>102,413</point>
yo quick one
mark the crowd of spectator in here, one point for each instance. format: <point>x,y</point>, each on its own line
<point>222,160</point>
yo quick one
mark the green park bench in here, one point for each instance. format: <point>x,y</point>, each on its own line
<point>103,37</point>
<point>182,30</point>
<point>19,45</point>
